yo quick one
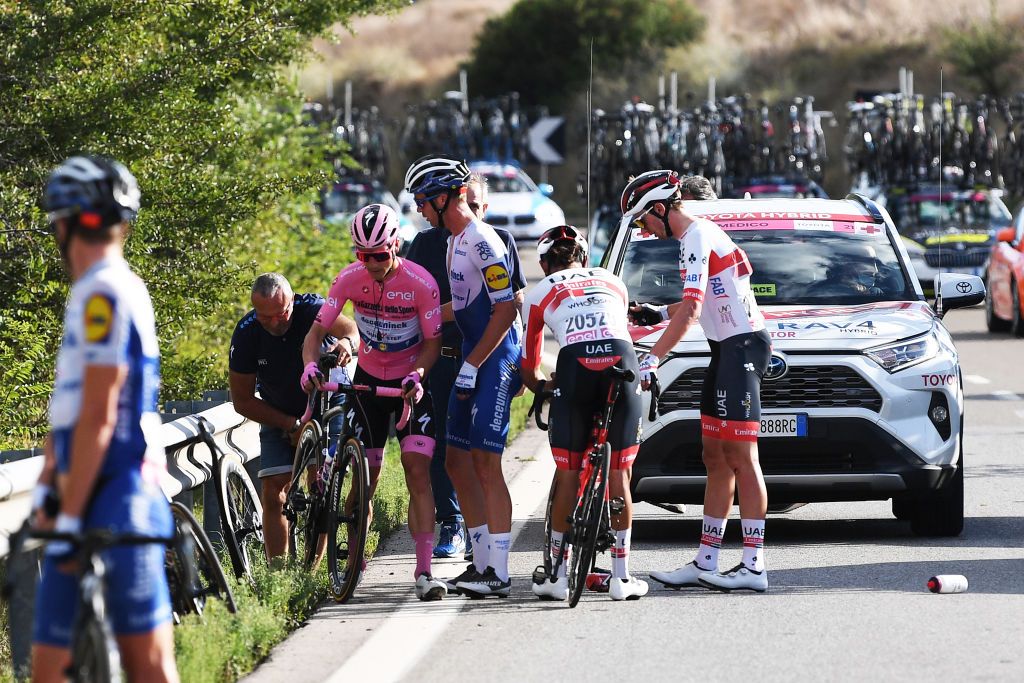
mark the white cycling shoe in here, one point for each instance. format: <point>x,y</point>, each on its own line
<point>429,588</point>
<point>687,576</point>
<point>739,578</point>
<point>630,588</point>
<point>557,589</point>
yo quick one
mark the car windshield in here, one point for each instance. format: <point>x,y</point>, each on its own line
<point>790,267</point>
<point>507,183</point>
<point>974,210</point>
<point>351,200</point>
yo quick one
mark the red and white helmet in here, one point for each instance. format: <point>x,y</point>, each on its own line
<point>646,189</point>
<point>374,228</point>
<point>561,233</point>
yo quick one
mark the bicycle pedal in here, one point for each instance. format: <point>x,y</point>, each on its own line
<point>540,575</point>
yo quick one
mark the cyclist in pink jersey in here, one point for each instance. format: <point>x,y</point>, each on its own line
<point>716,292</point>
<point>396,308</point>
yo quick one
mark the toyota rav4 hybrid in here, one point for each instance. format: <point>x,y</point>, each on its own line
<point>863,399</point>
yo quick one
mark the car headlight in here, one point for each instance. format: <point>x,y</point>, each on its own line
<point>906,353</point>
<point>549,215</point>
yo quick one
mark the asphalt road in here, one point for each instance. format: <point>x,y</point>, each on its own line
<point>847,597</point>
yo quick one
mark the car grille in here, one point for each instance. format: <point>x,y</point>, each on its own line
<point>525,219</point>
<point>803,387</point>
<point>952,258</point>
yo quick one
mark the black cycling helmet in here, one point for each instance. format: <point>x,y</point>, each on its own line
<point>93,192</point>
<point>561,233</point>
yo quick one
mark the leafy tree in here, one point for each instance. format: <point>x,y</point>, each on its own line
<point>987,53</point>
<point>194,99</point>
<point>541,48</point>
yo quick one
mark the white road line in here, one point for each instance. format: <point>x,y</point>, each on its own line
<point>408,634</point>
<point>1004,395</point>
<point>977,379</point>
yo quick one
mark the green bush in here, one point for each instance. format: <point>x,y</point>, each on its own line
<point>541,48</point>
<point>987,53</point>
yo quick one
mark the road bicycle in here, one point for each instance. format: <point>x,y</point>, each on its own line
<point>94,654</point>
<point>238,504</point>
<point>194,572</point>
<point>329,492</point>
<point>590,531</point>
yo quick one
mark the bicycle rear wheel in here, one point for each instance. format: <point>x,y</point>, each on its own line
<point>241,517</point>
<point>586,523</point>
<point>305,503</point>
<point>94,655</point>
<point>209,579</point>
<point>349,508</point>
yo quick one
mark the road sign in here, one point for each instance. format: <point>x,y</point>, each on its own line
<point>547,140</point>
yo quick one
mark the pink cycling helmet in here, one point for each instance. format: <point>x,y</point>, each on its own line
<point>374,228</point>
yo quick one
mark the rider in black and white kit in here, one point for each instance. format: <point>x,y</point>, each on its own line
<point>586,309</point>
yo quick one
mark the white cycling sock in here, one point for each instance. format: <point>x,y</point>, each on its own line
<point>753,544</point>
<point>556,547</point>
<point>710,543</point>
<point>620,554</point>
<point>500,544</point>
<point>481,547</point>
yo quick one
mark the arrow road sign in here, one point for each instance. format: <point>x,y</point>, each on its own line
<point>547,140</point>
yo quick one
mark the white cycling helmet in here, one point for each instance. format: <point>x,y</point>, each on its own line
<point>561,233</point>
<point>434,175</point>
<point>374,228</point>
<point>646,189</point>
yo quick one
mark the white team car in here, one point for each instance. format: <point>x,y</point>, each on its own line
<point>863,398</point>
<point>516,203</point>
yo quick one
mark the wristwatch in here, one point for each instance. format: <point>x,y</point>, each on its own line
<point>351,346</point>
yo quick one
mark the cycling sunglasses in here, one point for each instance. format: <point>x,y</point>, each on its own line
<point>422,200</point>
<point>378,256</point>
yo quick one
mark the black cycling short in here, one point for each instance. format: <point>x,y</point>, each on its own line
<point>582,391</point>
<point>730,401</point>
<point>416,437</point>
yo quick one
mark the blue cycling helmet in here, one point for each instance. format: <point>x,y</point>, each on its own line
<point>434,175</point>
<point>93,191</point>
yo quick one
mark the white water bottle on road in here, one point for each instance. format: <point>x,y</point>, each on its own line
<point>948,583</point>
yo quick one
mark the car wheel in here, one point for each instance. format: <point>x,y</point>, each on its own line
<point>902,508</point>
<point>992,321</point>
<point>941,513</point>
<point>1017,322</point>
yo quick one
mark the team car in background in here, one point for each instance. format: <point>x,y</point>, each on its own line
<point>952,232</point>
<point>515,202</point>
<point>775,186</point>
<point>863,398</point>
<point>343,198</point>
<point>1004,300</point>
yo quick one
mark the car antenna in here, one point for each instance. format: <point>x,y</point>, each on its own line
<point>590,123</point>
<point>942,208</point>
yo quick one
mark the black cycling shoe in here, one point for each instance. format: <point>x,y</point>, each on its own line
<point>486,584</point>
<point>471,574</point>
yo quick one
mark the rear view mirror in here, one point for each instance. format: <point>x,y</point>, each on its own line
<point>1006,235</point>
<point>957,291</point>
<point>546,189</point>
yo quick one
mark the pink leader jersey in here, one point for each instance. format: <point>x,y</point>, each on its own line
<point>393,317</point>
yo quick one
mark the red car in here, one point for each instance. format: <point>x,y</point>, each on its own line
<point>1003,301</point>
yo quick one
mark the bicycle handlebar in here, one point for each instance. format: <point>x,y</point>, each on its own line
<point>383,392</point>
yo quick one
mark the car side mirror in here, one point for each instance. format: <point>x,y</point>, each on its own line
<point>953,290</point>
<point>546,189</point>
<point>1006,235</point>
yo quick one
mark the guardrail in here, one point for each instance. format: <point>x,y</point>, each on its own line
<point>180,438</point>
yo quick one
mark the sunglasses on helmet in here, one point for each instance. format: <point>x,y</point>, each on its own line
<point>378,256</point>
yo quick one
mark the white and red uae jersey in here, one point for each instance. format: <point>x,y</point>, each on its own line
<point>578,305</point>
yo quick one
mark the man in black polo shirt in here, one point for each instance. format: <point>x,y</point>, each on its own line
<point>430,250</point>
<point>266,355</point>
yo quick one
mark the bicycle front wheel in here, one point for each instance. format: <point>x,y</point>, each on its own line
<point>304,504</point>
<point>94,656</point>
<point>349,504</point>
<point>586,526</point>
<point>209,575</point>
<point>241,517</point>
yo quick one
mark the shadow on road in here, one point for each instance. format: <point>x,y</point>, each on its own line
<point>979,532</point>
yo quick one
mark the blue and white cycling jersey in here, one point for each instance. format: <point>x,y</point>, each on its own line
<point>479,272</point>
<point>109,321</point>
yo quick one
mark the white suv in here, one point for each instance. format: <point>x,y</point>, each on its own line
<point>863,399</point>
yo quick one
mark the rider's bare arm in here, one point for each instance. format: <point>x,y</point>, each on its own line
<point>685,315</point>
<point>247,404</point>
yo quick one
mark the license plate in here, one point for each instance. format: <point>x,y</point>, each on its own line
<point>783,425</point>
